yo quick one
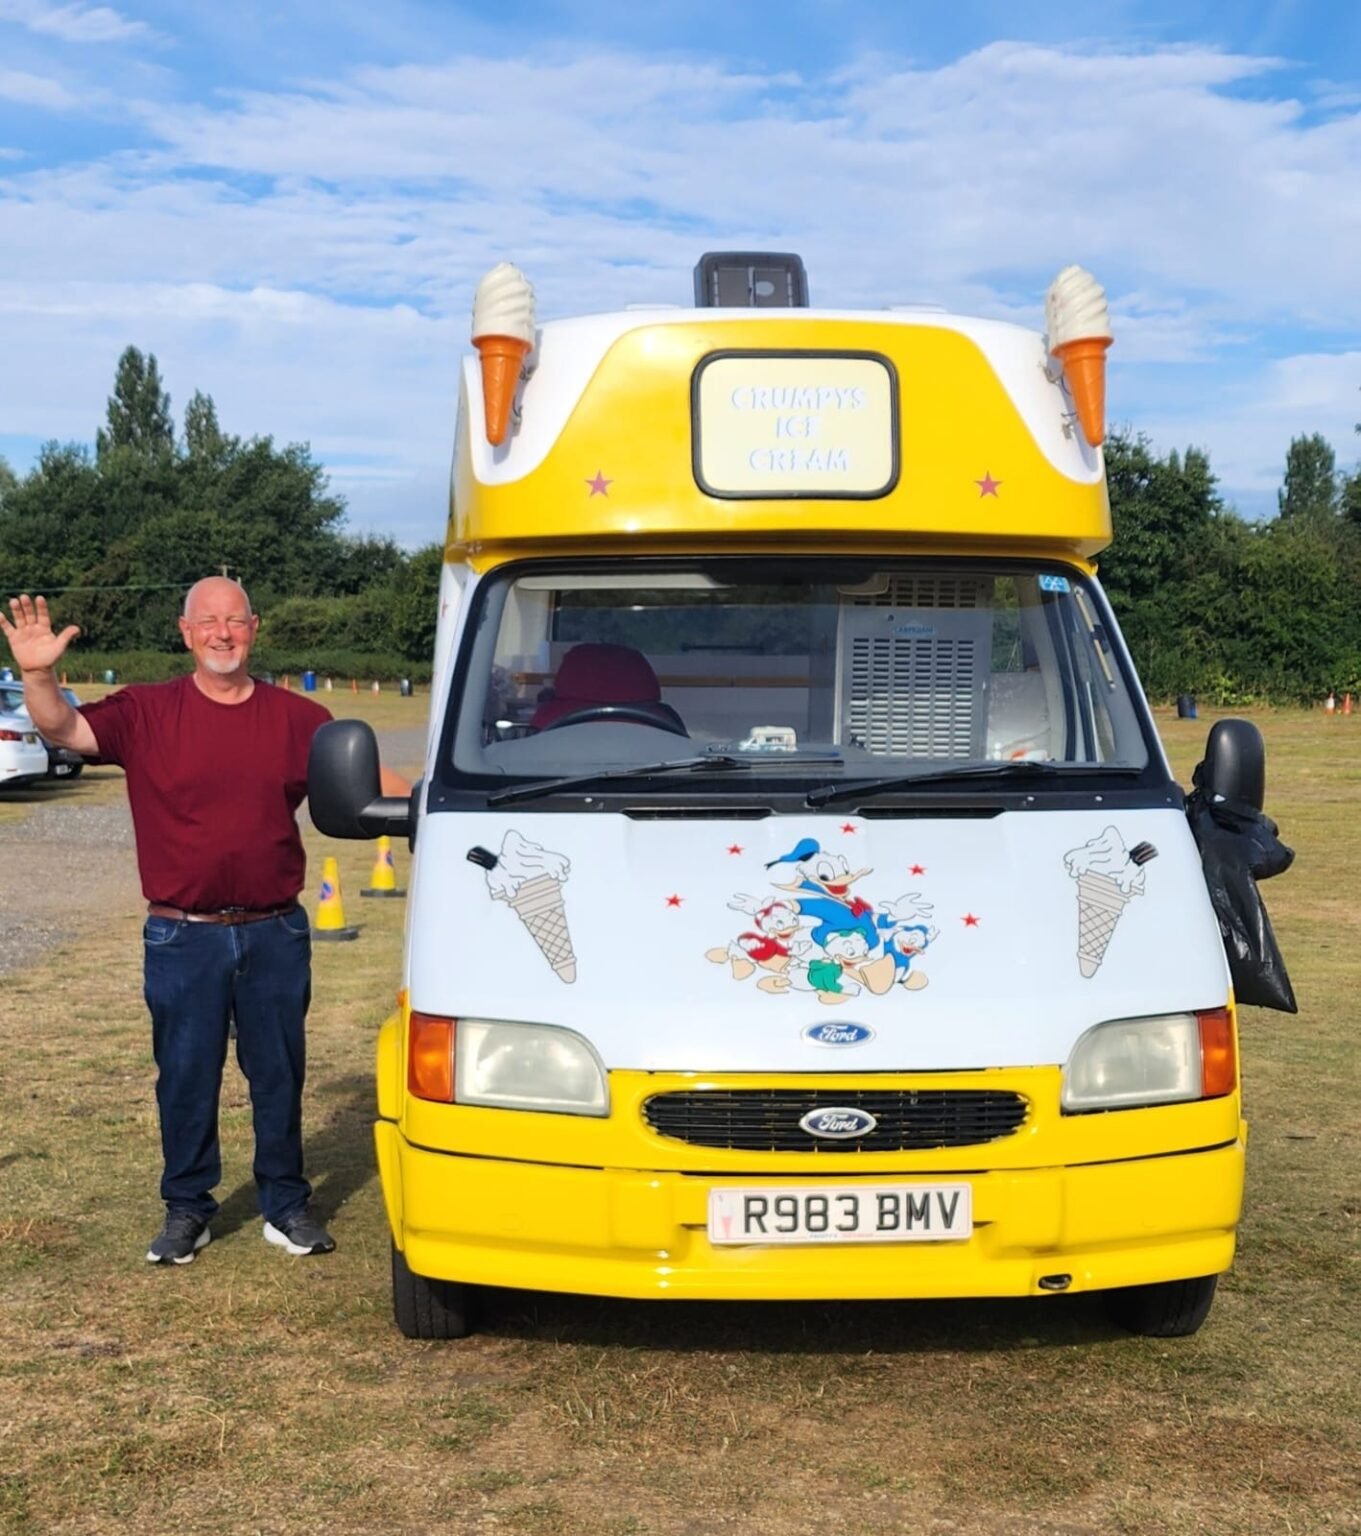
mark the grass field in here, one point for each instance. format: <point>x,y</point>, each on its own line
<point>251,1393</point>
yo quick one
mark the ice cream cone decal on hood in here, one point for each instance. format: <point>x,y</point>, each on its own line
<point>1078,324</point>
<point>503,333</point>
<point>1109,876</point>
<point>529,879</point>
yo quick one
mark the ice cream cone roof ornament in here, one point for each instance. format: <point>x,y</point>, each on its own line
<point>503,333</point>
<point>1078,324</point>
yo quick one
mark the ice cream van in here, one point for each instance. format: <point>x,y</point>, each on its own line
<point>802,906</point>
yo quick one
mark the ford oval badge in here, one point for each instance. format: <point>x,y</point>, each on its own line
<point>838,1033</point>
<point>838,1124</point>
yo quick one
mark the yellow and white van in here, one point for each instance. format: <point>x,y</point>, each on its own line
<point>802,906</point>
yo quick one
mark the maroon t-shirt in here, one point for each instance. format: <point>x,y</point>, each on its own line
<point>214,790</point>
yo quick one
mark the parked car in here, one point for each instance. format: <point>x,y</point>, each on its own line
<point>60,762</point>
<point>23,756</point>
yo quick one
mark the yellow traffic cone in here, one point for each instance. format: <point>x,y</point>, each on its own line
<point>383,880</point>
<point>330,921</point>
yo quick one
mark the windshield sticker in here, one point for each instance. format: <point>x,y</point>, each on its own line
<point>817,937</point>
<point>1050,583</point>
<point>529,879</point>
<point>1109,876</point>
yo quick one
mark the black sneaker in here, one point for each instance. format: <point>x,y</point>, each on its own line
<point>299,1234</point>
<point>179,1239</point>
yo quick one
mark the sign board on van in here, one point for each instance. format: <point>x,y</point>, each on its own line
<point>795,424</point>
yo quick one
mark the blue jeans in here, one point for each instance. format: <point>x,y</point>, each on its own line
<point>199,977</point>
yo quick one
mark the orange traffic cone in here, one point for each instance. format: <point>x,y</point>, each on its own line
<point>63,679</point>
<point>383,880</point>
<point>354,685</point>
<point>330,922</point>
<point>1346,703</point>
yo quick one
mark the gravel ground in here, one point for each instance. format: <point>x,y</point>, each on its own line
<point>68,887</point>
<point>52,885</point>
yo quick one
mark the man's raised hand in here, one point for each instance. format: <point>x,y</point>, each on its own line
<point>31,637</point>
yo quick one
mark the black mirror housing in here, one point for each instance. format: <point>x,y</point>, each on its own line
<point>344,785</point>
<point>1235,763</point>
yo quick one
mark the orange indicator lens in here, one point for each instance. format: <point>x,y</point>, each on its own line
<point>1218,1055</point>
<point>430,1058</point>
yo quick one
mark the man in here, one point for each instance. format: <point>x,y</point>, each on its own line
<point>216,768</point>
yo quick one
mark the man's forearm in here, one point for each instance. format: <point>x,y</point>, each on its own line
<point>48,708</point>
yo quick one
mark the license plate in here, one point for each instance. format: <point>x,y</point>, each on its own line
<point>31,737</point>
<point>61,768</point>
<point>841,1213</point>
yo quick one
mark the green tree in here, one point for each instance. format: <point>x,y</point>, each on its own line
<point>415,607</point>
<point>204,442</point>
<point>1310,489</point>
<point>139,409</point>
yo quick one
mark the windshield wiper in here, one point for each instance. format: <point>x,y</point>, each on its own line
<point>539,787</point>
<point>829,794</point>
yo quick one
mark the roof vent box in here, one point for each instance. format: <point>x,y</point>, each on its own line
<point>750,280</point>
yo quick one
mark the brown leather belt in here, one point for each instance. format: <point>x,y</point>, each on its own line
<point>229,915</point>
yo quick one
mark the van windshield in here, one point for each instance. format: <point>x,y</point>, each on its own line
<point>819,666</point>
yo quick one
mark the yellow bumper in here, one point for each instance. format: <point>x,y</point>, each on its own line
<point>617,1232</point>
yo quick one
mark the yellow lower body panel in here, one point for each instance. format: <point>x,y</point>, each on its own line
<point>618,1232</point>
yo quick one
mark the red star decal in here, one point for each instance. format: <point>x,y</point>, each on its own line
<point>917,869</point>
<point>598,484</point>
<point>987,486</point>
<point>674,901</point>
<point>734,848</point>
<point>848,827</point>
<point>969,920</point>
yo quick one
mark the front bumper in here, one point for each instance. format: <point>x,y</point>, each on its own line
<point>621,1232</point>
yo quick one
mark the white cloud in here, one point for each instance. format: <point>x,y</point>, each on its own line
<point>309,255</point>
<point>75,23</point>
<point>1249,425</point>
<point>35,90</point>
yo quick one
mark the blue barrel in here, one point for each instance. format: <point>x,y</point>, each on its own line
<point>309,682</point>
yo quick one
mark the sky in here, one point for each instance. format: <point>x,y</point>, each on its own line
<point>290,203</point>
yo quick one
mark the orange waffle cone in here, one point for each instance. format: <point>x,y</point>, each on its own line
<point>1084,364</point>
<point>502,357</point>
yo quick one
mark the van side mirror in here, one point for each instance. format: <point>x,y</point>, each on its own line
<point>343,781</point>
<point>1235,763</point>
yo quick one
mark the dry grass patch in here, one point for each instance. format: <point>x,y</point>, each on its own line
<point>252,1393</point>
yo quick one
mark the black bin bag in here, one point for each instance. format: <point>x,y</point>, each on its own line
<point>1238,847</point>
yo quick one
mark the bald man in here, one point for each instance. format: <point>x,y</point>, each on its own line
<point>216,768</point>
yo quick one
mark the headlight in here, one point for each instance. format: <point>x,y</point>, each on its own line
<point>527,1066</point>
<point>1125,1062</point>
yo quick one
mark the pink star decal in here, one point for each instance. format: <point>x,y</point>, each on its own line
<point>987,486</point>
<point>734,848</point>
<point>598,484</point>
<point>969,920</point>
<point>674,901</point>
<point>848,827</point>
<point>917,869</point>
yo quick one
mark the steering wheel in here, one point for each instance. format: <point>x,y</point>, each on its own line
<point>627,714</point>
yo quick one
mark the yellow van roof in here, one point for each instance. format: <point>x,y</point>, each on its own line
<point>780,427</point>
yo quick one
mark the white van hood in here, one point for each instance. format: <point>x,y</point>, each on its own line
<point>698,945</point>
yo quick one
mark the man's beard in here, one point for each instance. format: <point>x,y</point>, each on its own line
<point>223,663</point>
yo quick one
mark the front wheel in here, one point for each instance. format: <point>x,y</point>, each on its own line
<point>1172,1309</point>
<point>429,1309</point>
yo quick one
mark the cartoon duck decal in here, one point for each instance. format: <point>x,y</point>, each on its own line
<point>822,938</point>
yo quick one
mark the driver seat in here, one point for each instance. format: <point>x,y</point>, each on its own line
<point>591,675</point>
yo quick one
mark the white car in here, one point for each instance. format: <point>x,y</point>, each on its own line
<point>23,755</point>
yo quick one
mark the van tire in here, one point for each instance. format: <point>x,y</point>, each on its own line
<point>1173,1309</point>
<point>429,1309</point>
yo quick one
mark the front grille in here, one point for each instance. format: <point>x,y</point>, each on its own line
<point>767,1119</point>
